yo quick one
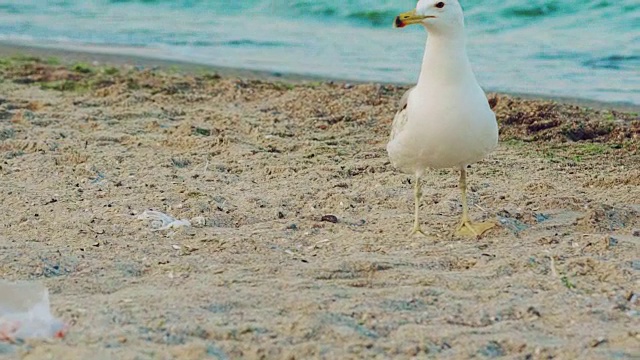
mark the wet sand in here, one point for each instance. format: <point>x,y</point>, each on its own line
<point>298,245</point>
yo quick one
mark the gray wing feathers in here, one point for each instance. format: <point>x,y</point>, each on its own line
<point>405,98</point>
<point>400,119</point>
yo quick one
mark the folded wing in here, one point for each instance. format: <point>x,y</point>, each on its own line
<point>401,117</point>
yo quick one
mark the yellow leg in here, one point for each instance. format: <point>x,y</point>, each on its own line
<point>417,192</point>
<point>466,227</point>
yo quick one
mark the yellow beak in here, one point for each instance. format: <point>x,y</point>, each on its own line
<point>409,18</point>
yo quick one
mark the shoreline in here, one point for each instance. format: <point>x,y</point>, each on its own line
<point>101,56</point>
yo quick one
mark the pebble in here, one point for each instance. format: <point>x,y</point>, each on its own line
<point>199,221</point>
<point>330,218</point>
<point>292,227</point>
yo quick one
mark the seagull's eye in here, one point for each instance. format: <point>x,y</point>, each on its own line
<point>440,5</point>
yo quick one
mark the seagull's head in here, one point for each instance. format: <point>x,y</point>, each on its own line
<point>435,15</point>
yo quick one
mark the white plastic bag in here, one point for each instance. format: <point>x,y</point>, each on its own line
<point>24,312</point>
<point>162,221</point>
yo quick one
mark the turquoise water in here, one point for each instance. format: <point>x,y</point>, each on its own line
<point>588,48</point>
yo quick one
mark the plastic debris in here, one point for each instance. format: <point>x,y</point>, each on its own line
<point>512,224</point>
<point>25,314</point>
<point>540,217</point>
<point>161,221</point>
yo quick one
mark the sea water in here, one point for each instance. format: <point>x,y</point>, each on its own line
<point>576,48</point>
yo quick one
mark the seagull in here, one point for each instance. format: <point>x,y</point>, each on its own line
<point>444,121</point>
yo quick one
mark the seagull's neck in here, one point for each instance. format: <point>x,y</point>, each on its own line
<point>445,59</point>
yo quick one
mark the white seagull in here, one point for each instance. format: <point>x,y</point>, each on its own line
<point>445,120</point>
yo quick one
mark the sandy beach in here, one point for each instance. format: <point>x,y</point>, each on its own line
<point>297,246</point>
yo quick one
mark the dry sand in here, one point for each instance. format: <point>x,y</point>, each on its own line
<point>265,272</point>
